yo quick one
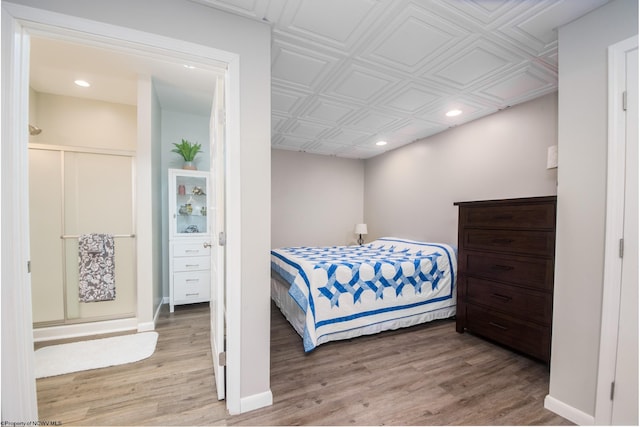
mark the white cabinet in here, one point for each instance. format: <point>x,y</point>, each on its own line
<point>189,238</point>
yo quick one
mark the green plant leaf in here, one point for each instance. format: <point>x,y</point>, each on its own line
<point>187,150</point>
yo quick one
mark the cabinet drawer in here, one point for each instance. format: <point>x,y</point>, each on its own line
<point>190,249</point>
<point>538,216</point>
<point>533,272</point>
<point>529,338</point>
<point>518,241</point>
<point>191,263</point>
<point>532,305</point>
<point>191,286</point>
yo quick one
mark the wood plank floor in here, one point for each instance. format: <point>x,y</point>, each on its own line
<point>424,375</point>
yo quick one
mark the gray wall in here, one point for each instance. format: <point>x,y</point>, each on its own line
<point>178,125</point>
<point>175,126</point>
<point>315,200</point>
<point>582,176</point>
<point>410,191</point>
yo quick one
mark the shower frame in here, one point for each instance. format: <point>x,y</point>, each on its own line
<point>62,149</point>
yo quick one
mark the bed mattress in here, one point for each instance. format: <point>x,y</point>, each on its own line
<point>340,292</point>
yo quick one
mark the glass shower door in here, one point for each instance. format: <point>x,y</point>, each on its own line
<point>98,198</point>
<point>74,193</point>
<point>45,209</point>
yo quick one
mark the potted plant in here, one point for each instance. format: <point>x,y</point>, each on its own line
<point>188,152</point>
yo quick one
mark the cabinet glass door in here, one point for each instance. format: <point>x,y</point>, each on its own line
<point>191,194</point>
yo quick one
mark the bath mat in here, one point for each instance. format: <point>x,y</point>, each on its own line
<point>99,353</point>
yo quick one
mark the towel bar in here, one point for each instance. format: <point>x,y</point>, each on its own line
<point>77,236</point>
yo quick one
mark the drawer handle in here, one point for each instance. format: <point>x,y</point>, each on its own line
<point>503,241</point>
<point>193,295</point>
<point>502,297</point>
<point>193,280</point>
<point>192,265</point>
<point>192,251</point>
<point>503,217</point>
<point>499,326</point>
<point>502,267</point>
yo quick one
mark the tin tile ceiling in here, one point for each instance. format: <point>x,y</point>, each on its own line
<point>349,73</point>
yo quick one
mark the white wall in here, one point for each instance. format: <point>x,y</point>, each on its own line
<point>315,200</point>
<point>410,191</point>
<point>145,215</point>
<point>582,157</point>
<point>251,41</point>
<point>79,122</point>
<point>158,201</point>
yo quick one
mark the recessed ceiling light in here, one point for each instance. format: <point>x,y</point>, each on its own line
<point>454,113</point>
<point>82,83</point>
<point>381,143</point>
<point>189,67</point>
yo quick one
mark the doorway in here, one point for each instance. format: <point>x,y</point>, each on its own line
<point>617,388</point>
<point>33,22</point>
<point>98,123</point>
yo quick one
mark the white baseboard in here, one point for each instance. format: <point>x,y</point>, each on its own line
<point>51,333</point>
<point>256,401</point>
<point>569,412</point>
<point>151,326</point>
<point>146,326</point>
<point>84,329</point>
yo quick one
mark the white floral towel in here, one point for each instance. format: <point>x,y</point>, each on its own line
<point>97,268</point>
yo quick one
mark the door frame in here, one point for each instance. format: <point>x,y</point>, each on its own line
<point>218,260</point>
<point>613,229</point>
<point>18,23</point>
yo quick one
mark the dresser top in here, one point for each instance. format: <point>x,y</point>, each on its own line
<point>521,200</point>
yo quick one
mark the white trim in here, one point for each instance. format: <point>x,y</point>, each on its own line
<point>146,326</point>
<point>151,326</point>
<point>19,400</point>
<point>40,21</point>
<point>89,150</point>
<point>256,401</point>
<point>569,412</point>
<point>233,252</point>
<point>84,329</point>
<point>613,229</point>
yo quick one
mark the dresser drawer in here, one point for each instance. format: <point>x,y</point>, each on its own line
<point>190,249</point>
<point>514,241</point>
<point>522,303</point>
<point>527,216</point>
<point>527,337</point>
<point>191,286</point>
<point>191,263</point>
<point>526,271</point>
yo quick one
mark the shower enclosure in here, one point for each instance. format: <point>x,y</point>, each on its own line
<point>75,191</point>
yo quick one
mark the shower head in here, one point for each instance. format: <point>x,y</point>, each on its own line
<point>34,130</point>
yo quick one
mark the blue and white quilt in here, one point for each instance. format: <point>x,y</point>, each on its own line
<point>346,291</point>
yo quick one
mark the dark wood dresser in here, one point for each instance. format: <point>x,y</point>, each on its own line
<point>506,252</point>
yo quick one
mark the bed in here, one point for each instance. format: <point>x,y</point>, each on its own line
<point>341,292</point>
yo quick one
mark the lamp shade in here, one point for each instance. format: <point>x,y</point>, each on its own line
<point>361,229</point>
